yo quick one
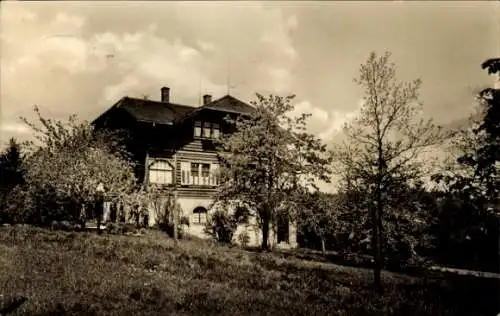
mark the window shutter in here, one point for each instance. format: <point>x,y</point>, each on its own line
<point>185,168</point>
<point>214,169</point>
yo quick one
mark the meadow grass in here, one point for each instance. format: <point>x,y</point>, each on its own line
<point>69,273</point>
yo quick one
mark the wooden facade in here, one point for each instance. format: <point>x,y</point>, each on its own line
<point>173,145</point>
<point>165,133</point>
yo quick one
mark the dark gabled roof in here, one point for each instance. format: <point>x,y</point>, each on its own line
<point>149,111</point>
<point>154,111</point>
<point>227,104</point>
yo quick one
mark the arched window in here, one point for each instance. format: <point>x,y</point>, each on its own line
<point>199,215</point>
<point>161,172</point>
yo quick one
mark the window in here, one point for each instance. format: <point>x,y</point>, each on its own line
<point>195,169</point>
<point>215,131</point>
<point>160,172</point>
<point>206,129</point>
<point>197,129</point>
<point>205,170</point>
<point>199,215</point>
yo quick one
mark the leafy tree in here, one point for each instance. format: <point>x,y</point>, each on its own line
<point>318,213</point>
<point>469,213</point>
<point>486,155</point>
<point>268,157</point>
<point>10,164</point>
<point>385,144</point>
<point>69,165</point>
<point>11,174</point>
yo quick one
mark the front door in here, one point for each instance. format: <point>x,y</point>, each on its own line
<point>283,229</point>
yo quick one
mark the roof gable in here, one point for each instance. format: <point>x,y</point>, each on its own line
<point>154,111</point>
<point>166,113</point>
<point>229,104</point>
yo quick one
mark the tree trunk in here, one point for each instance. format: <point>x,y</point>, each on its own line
<point>39,218</point>
<point>137,217</point>
<point>83,214</point>
<point>265,229</point>
<point>376,217</point>
<point>175,217</point>
<point>377,243</point>
<point>265,235</point>
<point>323,248</point>
<point>175,230</point>
<point>100,211</point>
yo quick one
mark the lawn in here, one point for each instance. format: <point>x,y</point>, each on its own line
<point>69,273</point>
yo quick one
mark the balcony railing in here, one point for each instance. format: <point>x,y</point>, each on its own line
<point>188,179</point>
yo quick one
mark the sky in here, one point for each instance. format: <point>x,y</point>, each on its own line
<point>81,57</point>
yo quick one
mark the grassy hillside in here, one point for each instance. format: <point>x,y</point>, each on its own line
<point>83,274</point>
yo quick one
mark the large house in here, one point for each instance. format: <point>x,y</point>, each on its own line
<point>172,145</point>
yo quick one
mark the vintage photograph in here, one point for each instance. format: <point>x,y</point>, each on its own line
<point>250,158</point>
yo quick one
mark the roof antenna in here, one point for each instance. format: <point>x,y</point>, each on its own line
<point>228,85</point>
<point>199,96</point>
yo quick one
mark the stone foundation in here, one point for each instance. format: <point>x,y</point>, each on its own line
<point>248,234</point>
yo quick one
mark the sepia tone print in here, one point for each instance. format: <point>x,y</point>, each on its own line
<point>249,158</point>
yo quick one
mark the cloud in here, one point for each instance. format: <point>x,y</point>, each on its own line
<point>144,69</point>
<point>206,46</point>
<point>337,120</point>
<point>326,125</point>
<point>68,23</point>
<point>69,59</point>
<point>279,36</point>
<point>318,116</point>
<point>125,87</point>
<point>292,22</point>
<point>15,128</point>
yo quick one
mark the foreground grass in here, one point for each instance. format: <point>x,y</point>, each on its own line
<point>83,274</point>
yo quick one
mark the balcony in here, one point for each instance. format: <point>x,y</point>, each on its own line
<point>188,179</point>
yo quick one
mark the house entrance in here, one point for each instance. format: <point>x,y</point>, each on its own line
<point>283,229</point>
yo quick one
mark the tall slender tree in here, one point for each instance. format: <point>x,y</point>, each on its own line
<point>384,144</point>
<point>10,165</point>
<point>11,174</point>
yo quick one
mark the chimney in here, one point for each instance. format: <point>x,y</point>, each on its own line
<point>207,98</point>
<point>165,94</point>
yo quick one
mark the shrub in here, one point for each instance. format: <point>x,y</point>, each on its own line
<point>244,239</point>
<point>65,225</point>
<point>221,226</point>
<point>168,228</point>
<point>129,228</point>
<point>166,209</point>
<point>184,220</point>
<point>113,228</point>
